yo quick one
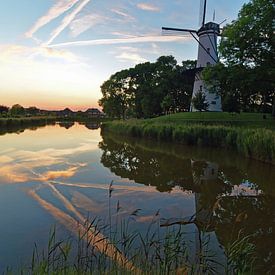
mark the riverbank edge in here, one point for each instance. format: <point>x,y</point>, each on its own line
<point>255,143</point>
<point>10,122</point>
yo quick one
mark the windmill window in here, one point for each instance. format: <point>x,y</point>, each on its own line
<point>208,64</point>
<point>213,102</point>
<point>208,50</point>
<point>200,87</point>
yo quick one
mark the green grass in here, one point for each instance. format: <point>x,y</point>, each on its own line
<point>212,116</point>
<point>15,121</point>
<point>252,120</point>
<point>150,252</point>
<point>248,134</point>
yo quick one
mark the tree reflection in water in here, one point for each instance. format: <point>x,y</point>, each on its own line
<point>233,195</point>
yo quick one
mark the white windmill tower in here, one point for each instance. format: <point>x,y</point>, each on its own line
<point>206,37</point>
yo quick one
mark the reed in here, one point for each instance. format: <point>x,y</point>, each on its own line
<point>152,252</point>
<point>255,143</point>
<point>24,121</point>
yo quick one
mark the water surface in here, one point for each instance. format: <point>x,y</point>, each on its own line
<point>65,170</point>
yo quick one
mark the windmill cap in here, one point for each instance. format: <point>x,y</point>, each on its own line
<point>211,27</point>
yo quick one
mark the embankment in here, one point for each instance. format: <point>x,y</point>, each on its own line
<point>256,143</point>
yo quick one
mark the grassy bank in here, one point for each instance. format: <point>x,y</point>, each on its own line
<point>20,121</point>
<point>252,135</point>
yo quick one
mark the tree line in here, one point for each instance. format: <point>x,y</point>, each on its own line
<point>244,77</point>
<point>149,89</point>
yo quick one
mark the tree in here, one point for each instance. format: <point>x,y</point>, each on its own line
<point>249,40</point>
<point>33,111</point>
<point>247,73</point>
<point>167,103</point>
<point>17,110</point>
<point>143,91</point>
<point>117,94</point>
<point>199,102</point>
<point>3,109</point>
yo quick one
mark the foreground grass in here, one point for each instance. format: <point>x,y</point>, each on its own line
<point>249,134</point>
<point>148,253</point>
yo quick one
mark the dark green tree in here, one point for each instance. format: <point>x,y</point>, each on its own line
<point>33,111</point>
<point>199,102</point>
<point>117,94</point>
<point>143,91</point>
<point>246,74</point>
<point>17,110</point>
<point>167,103</point>
<point>3,109</point>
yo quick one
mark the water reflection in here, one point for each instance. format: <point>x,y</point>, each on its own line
<point>232,195</point>
<point>92,125</point>
<point>66,171</point>
<point>66,124</point>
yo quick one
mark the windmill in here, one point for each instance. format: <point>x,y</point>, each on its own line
<point>206,36</point>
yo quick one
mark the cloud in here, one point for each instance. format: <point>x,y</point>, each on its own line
<point>94,237</point>
<point>84,23</point>
<point>13,174</point>
<point>123,189</point>
<point>5,159</point>
<point>124,54</point>
<point>86,203</point>
<point>19,166</point>
<point>123,34</point>
<point>58,9</point>
<point>51,175</point>
<point>128,49</point>
<point>66,21</point>
<point>136,39</point>
<point>123,14</point>
<point>12,52</point>
<point>129,56</point>
<point>148,7</point>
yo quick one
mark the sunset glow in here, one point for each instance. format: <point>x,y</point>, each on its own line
<point>59,53</point>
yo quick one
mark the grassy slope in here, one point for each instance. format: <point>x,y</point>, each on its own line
<point>214,116</point>
<point>251,120</point>
<point>249,134</point>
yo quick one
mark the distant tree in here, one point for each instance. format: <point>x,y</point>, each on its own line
<point>17,110</point>
<point>3,109</point>
<point>33,111</point>
<point>199,102</point>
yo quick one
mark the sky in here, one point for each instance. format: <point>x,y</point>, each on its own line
<point>56,53</point>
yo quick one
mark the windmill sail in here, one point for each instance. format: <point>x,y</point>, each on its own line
<point>206,36</point>
<point>201,12</point>
<point>202,15</point>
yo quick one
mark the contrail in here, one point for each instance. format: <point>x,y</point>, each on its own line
<point>95,238</point>
<point>137,39</point>
<point>58,9</point>
<point>66,21</point>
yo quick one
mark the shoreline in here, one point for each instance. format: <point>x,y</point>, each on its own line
<point>254,143</point>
